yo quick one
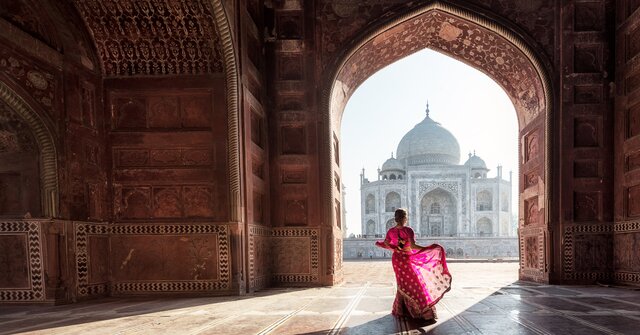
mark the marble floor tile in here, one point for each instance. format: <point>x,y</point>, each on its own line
<point>486,298</point>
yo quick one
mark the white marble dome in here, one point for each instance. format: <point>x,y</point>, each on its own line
<point>475,162</point>
<point>429,143</point>
<point>393,164</point>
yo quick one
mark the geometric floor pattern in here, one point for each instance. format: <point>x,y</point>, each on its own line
<point>486,298</point>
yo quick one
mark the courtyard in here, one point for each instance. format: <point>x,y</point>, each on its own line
<point>486,298</point>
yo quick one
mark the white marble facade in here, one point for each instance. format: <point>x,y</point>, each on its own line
<point>444,198</point>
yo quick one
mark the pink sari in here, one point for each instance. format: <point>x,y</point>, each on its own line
<point>422,276</point>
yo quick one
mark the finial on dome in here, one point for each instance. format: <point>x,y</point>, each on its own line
<point>427,108</point>
<point>391,154</point>
<point>474,152</point>
<point>469,154</point>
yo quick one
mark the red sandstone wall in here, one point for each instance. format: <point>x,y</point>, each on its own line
<point>626,232</point>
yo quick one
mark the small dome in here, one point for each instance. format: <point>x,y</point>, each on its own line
<point>475,162</point>
<point>392,164</point>
<point>429,143</point>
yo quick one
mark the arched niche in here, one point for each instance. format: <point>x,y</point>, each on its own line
<point>487,43</point>
<point>47,153</point>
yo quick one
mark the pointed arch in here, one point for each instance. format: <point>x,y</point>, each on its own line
<point>43,135</point>
<point>523,72</point>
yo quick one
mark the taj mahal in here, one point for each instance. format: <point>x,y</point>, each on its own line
<point>450,203</point>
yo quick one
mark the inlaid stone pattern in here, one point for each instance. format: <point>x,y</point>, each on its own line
<point>295,255</point>
<point>92,259</point>
<point>41,83</point>
<point>22,278</point>
<point>342,20</point>
<point>587,252</point>
<point>259,257</point>
<point>153,38</point>
<point>169,258</point>
<point>474,45</point>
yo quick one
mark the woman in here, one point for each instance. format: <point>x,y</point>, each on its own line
<point>421,272</point>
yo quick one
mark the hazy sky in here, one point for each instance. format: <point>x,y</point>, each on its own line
<point>473,107</point>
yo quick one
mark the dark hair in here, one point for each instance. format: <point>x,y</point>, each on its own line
<point>400,214</point>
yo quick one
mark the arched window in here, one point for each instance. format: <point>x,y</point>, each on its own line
<point>370,204</point>
<point>390,223</point>
<point>384,177</point>
<point>484,227</point>
<point>399,176</point>
<point>371,227</point>
<point>392,202</point>
<point>392,177</point>
<point>477,175</point>
<point>484,201</point>
<point>435,208</point>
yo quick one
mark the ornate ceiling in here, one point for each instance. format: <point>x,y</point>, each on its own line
<point>21,14</point>
<point>153,37</point>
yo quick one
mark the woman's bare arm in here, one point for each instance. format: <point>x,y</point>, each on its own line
<point>414,246</point>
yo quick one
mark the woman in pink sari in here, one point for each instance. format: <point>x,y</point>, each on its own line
<point>422,275</point>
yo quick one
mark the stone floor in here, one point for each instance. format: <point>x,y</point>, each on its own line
<point>486,298</point>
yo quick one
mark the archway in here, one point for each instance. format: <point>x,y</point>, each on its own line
<point>438,214</point>
<point>46,150</point>
<point>494,49</point>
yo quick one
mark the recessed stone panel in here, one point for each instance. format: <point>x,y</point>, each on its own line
<point>158,258</point>
<point>592,252</point>
<point>633,43</point>
<point>196,111</point>
<point>11,194</point>
<point>294,141</point>
<point>632,161</point>
<point>295,212</point>
<point>286,262</point>
<point>14,262</point>
<point>589,16</point>
<point>258,207</point>
<point>164,112</point>
<point>587,94</point>
<point>633,121</point>
<point>290,68</point>
<point>130,113</point>
<point>294,176</point>
<point>633,201</point>
<point>532,214</point>
<point>586,133</point>
<point>587,58</point>
<point>625,248</point>
<point>531,254</point>
<point>290,26</point>
<point>586,206</point>
<point>98,252</point>
<point>586,168</point>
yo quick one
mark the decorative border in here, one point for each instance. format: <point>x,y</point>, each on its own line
<point>626,227</point>
<point>33,46</point>
<point>313,235</point>
<point>46,144</point>
<point>82,232</point>
<point>254,281</point>
<point>627,277</point>
<point>568,254</point>
<point>32,230</point>
<point>181,286</point>
<point>233,110</point>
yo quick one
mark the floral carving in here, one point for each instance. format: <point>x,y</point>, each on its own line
<point>153,37</point>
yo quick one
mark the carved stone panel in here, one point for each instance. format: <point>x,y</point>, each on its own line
<point>586,133</point>
<point>633,121</point>
<point>625,247</point>
<point>593,252</point>
<point>301,266</point>
<point>531,254</point>
<point>586,206</point>
<point>587,58</point>
<point>532,214</point>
